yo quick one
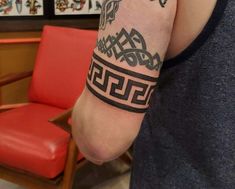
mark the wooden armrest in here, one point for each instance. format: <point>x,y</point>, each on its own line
<point>62,120</point>
<point>7,107</point>
<point>10,78</point>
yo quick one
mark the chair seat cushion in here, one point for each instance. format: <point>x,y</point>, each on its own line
<point>30,143</point>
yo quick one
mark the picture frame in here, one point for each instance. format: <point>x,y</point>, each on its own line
<point>68,8</point>
<point>14,9</point>
<point>29,21</point>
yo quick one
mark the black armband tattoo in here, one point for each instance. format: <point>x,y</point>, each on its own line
<point>108,12</point>
<point>119,87</point>
<point>130,48</point>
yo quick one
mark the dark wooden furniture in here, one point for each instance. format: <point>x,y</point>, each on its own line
<point>12,25</point>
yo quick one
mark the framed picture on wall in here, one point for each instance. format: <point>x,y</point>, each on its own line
<point>22,8</point>
<point>77,7</point>
<point>32,15</point>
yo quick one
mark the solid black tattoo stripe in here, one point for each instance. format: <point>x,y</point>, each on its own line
<point>116,104</point>
<point>125,71</point>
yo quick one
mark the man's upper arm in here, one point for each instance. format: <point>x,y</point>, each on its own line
<point>133,39</point>
<point>131,45</point>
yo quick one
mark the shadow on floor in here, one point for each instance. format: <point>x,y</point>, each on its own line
<point>110,175</point>
<point>113,175</point>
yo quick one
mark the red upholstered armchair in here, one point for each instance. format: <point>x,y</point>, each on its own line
<point>33,151</point>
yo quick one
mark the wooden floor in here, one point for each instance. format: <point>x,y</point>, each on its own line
<point>114,175</point>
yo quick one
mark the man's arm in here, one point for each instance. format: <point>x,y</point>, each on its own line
<point>132,42</point>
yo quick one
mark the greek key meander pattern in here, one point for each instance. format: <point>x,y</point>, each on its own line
<point>119,87</point>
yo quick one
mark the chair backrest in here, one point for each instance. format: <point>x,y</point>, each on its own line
<point>61,65</point>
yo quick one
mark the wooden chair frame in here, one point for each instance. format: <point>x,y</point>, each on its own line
<point>63,181</point>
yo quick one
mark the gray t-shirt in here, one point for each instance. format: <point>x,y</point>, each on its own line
<point>187,139</point>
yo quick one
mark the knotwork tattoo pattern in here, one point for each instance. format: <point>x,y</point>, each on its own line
<point>119,87</point>
<point>130,48</point>
<point>108,12</point>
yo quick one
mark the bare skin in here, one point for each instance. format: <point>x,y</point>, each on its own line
<point>190,19</point>
<point>102,131</point>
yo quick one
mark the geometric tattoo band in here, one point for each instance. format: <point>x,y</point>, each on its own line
<point>120,87</point>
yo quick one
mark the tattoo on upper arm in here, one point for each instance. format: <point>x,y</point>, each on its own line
<point>130,48</point>
<point>108,12</point>
<point>120,87</point>
<point>116,85</point>
<point>162,2</point>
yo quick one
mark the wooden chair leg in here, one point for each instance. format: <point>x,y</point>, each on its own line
<point>70,167</point>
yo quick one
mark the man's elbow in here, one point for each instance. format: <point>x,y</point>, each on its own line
<point>99,150</point>
<point>102,140</point>
<point>101,131</point>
